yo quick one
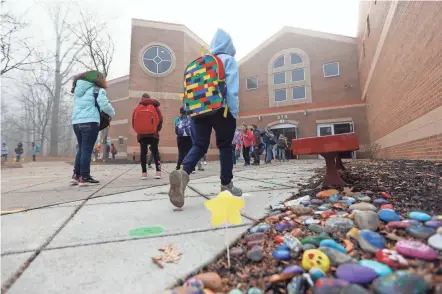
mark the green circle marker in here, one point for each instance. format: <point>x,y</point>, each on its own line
<point>146,231</point>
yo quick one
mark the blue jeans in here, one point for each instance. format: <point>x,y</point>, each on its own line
<point>86,134</point>
<point>269,152</point>
<point>201,130</point>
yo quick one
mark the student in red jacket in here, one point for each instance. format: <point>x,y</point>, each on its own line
<point>247,139</point>
<point>147,122</point>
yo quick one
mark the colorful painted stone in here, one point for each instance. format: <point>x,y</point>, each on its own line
<point>435,241</point>
<point>399,225</point>
<point>374,239</point>
<point>329,285</point>
<point>284,225</point>
<point>349,199</point>
<point>386,195</point>
<point>388,215</point>
<point>380,268</point>
<point>437,217</point>
<point>235,291</point>
<point>325,206</point>
<point>254,290</point>
<point>317,228</point>
<point>195,283</point>
<point>308,246</point>
<point>386,206</point>
<point>333,198</point>
<point>236,251</point>
<point>354,289</point>
<point>297,201</point>
<point>326,193</point>
<point>336,257</point>
<point>252,244</point>
<point>416,249</point>
<point>255,254</point>
<point>297,285</point>
<point>296,232</point>
<point>281,254</point>
<point>305,202</point>
<point>260,228</point>
<point>293,244</point>
<point>316,201</point>
<point>434,223</point>
<point>283,247</point>
<point>315,258</point>
<point>364,198</point>
<point>412,221</point>
<point>301,210</point>
<point>363,206</point>
<point>380,201</point>
<point>391,258</point>
<point>355,273</point>
<point>367,220</point>
<point>332,244</point>
<point>310,221</point>
<point>316,273</point>
<point>278,239</point>
<point>315,240</point>
<point>293,269</point>
<point>420,216</point>
<point>328,213</point>
<point>420,231</point>
<point>400,282</point>
<point>339,224</point>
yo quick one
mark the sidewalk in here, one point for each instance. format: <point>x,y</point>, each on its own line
<point>84,246</point>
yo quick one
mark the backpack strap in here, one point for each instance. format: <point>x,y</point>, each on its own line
<point>96,92</point>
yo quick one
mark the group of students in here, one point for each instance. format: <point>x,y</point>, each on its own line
<point>19,151</point>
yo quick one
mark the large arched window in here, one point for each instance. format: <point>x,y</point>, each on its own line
<point>289,78</point>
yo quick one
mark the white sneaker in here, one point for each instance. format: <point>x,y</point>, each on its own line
<point>144,176</point>
<point>205,162</point>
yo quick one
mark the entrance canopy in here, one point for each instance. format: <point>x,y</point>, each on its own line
<point>283,126</point>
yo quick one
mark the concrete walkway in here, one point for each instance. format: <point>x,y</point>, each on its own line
<point>76,240</point>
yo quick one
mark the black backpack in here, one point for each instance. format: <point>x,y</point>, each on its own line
<point>104,117</point>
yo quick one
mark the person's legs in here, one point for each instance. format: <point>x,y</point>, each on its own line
<point>155,153</point>
<point>233,154</point>
<point>89,134</point>
<point>184,145</point>
<point>269,152</point>
<point>143,154</point>
<point>77,156</point>
<point>246,154</point>
<point>149,163</point>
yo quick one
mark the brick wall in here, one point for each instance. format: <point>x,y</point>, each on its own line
<point>429,148</point>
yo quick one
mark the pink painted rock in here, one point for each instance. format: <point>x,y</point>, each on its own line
<point>386,195</point>
<point>398,225</point>
<point>387,206</point>
<point>416,249</point>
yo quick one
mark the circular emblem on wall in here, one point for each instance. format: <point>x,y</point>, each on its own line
<point>157,60</point>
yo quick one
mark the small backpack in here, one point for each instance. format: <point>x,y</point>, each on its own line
<point>37,148</point>
<point>104,117</point>
<point>204,86</point>
<point>183,127</point>
<point>146,120</point>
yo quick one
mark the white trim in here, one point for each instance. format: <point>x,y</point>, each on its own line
<point>323,69</point>
<point>119,122</point>
<point>283,126</point>
<point>120,99</point>
<point>168,26</point>
<point>283,61</point>
<point>117,80</point>
<point>280,72</point>
<point>274,95</point>
<point>284,30</point>
<point>257,85</point>
<point>295,69</point>
<point>334,120</point>
<point>383,36</point>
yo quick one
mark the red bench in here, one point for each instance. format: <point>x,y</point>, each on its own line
<point>329,148</point>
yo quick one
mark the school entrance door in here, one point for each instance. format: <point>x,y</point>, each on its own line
<point>287,130</point>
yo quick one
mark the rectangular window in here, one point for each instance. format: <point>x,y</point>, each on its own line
<point>298,75</point>
<point>279,78</point>
<point>368,25</point>
<point>252,83</point>
<point>121,140</point>
<point>331,69</point>
<point>280,95</point>
<point>298,93</point>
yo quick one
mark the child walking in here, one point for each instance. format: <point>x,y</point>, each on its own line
<point>282,146</point>
<point>147,122</point>
<point>222,120</point>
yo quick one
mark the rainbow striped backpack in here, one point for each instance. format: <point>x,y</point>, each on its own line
<point>204,86</point>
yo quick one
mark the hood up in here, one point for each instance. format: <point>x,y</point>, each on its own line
<point>81,87</point>
<point>149,101</point>
<point>222,44</point>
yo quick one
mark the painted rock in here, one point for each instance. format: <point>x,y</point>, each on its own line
<point>326,193</point>
<point>416,249</point>
<point>315,240</point>
<point>281,254</point>
<point>305,202</point>
<point>380,201</point>
<point>255,254</point>
<point>412,222</point>
<point>388,215</point>
<point>316,273</point>
<point>297,201</point>
<point>315,258</point>
<point>364,198</point>
<point>278,239</point>
<point>316,201</point>
<point>296,232</point>
<point>185,290</point>
<point>236,251</point>
<point>349,199</point>
<point>398,225</point>
<point>284,225</point>
<point>362,206</point>
<point>355,273</point>
<point>420,216</point>
<point>354,289</point>
<point>308,246</point>
<point>328,213</point>
<point>252,244</point>
<point>211,280</point>
<point>420,231</point>
<point>293,244</point>
<point>297,285</point>
<point>339,224</point>
<point>439,230</point>
<point>325,206</point>
<point>332,244</point>
<point>310,221</point>
<point>260,228</point>
<point>283,246</point>
<point>391,258</point>
<point>333,198</point>
<point>367,220</point>
<point>400,282</point>
<point>336,257</point>
<point>254,290</point>
<point>235,291</point>
<point>434,224</point>
<point>380,268</point>
<point>195,283</point>
<point>329,285</point>
<point>435,241</point>
<point>317,228</point>
<point>386,206</point>
<point>385,195</point>
<point>374,239</point>
<point>254,237</point>
<point>293,269</point>
<point>301,210</point>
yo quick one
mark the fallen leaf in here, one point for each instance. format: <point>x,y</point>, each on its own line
<point>170,255</point>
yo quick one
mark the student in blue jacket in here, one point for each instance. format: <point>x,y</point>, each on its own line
<point>86,121</point>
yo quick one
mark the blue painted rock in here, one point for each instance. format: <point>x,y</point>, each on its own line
<point>355,273</point>
<point>316,201</point>
<point>400,282</point>
<point>434,223</point>
<point>380,268</point>
<point>293,244</point>
<point>435,241</point>
<point>336,224</point>
<point>367,220</point>
<point>316,273</point>
<point>329,285</point>
<point>254,290</point>
<point>235,291</point>
<point>336,257</point>
<point>260,228</point>
<point>332,244</point>
<point>380,201</point>
<point>283,247</point>
<point>388,215</point>
<point>281,254</point>
<point>333,198</point>
<point>420,216</point>
<point>349,199</point>
<point>362,206</point>
<point>297,285</point>
<point>420,231</point>
<point>374,239</point>
<point>255,254</point>
<point>293,269</point>
<point>416,249</point>
<point>284,225</point>
<point>325,206</point>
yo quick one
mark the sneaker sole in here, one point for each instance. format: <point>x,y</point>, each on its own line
<point>176,192</point>
<point>73,182</point>
<point>83,184</point>
<point>157,178</point>
<point>144,178</point>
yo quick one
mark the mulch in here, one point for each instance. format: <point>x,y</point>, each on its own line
<point>413,185</point>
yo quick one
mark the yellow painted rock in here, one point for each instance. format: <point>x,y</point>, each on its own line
<point>315,258</point>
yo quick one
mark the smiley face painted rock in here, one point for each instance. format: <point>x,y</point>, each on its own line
<point>315,258</point>
<point>391,258</point>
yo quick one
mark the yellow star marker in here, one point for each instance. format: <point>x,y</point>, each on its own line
<point>225,208</point>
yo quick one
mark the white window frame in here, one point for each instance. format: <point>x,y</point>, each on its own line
<point>291,73</point>
<point>323,69</point>
<point>274,95</point>
<point>257,83</point>
<point>305,92</point>
<point>120,139</point>
<point>280,72</point>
